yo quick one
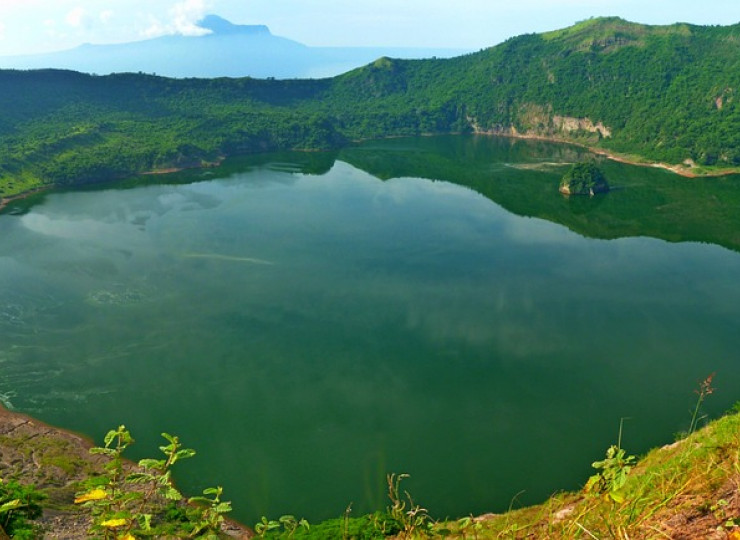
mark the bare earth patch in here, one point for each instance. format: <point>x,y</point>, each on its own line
<point>56,461</point>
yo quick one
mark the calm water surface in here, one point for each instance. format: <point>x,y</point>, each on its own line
<point>308,333</point>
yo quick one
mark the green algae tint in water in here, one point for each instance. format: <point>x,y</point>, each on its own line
<point>308,334</point>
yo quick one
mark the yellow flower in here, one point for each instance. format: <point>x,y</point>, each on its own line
<point>94,495</point>
<point>127,536</point>
<point>113,523</point>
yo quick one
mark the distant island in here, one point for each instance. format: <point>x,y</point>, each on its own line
<point>648,94</point>
<point>583,178</point>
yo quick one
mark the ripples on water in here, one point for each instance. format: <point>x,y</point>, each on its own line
<point>308,334</point>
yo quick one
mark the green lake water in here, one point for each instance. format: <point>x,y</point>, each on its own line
<point>311,322</point>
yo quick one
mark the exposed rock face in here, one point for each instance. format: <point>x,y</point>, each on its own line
<point>54,461</point>
<point>568,124</point>
<point>535,120</point>
<point>724,98</point>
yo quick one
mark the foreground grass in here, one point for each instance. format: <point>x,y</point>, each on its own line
<point>686,490</point>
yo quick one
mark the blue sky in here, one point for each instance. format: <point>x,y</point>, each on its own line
<point>31,26</point>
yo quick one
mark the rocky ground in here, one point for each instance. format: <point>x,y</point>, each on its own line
<point>56,461</point>
<point>689,489</point>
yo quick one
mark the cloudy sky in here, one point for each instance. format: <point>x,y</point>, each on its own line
<point>31,26</point>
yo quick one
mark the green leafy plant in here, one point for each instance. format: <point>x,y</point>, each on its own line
<point>210,511</point>
<point>413,520</point>
<point>18,505</point>
<point>291,524</point>
<point>469,524</point>
<point>265,526</point>
<point>612,474</point>
<point>285,525</point>
<point>129,500</point>
<point>613,471</point>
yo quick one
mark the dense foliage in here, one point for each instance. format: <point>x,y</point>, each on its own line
<point>583,178</point>
<point>128,502</point>
<point>19,504</point>
<point>663,93</point>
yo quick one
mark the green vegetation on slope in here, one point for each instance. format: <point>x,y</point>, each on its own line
<point>684,490</point>
<point>663,93</point>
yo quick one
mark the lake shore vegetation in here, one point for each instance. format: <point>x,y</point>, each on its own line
<point>653,94</point>
<point>70,489</point>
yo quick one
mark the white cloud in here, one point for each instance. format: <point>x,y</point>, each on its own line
<point>2,31</point>
<point>106,16</point>
<point>183,19</point>
<point>50,26</point>
<point>77,17</point>
<point>418,23</point>
<point>154,29</point>
<point>186,15</point>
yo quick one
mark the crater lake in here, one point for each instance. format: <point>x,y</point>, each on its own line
<point>310,322</point>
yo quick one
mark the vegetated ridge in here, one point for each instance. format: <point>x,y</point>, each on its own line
<point>652,93</point>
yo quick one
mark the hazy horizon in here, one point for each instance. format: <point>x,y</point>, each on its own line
<point>42,26</point>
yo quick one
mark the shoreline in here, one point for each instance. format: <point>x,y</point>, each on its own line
<point>678,169</point>
<point>15,417</point>
<point>5,201</point>
<point>172,170</point>
<point>29,449</point>
<point>615,156</point>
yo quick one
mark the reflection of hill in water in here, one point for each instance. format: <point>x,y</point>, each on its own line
<point>522,176</point>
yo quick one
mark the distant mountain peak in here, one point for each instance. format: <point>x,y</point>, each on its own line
<point>221,27</point>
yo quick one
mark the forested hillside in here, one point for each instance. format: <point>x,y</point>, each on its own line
<point>663,93</point>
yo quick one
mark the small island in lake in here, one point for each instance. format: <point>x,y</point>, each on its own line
<point>583,178</point>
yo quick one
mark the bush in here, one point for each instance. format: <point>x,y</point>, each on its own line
<point>583,178</point>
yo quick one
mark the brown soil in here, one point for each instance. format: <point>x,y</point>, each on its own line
<point>56,461</point>
<point>681,170</point>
